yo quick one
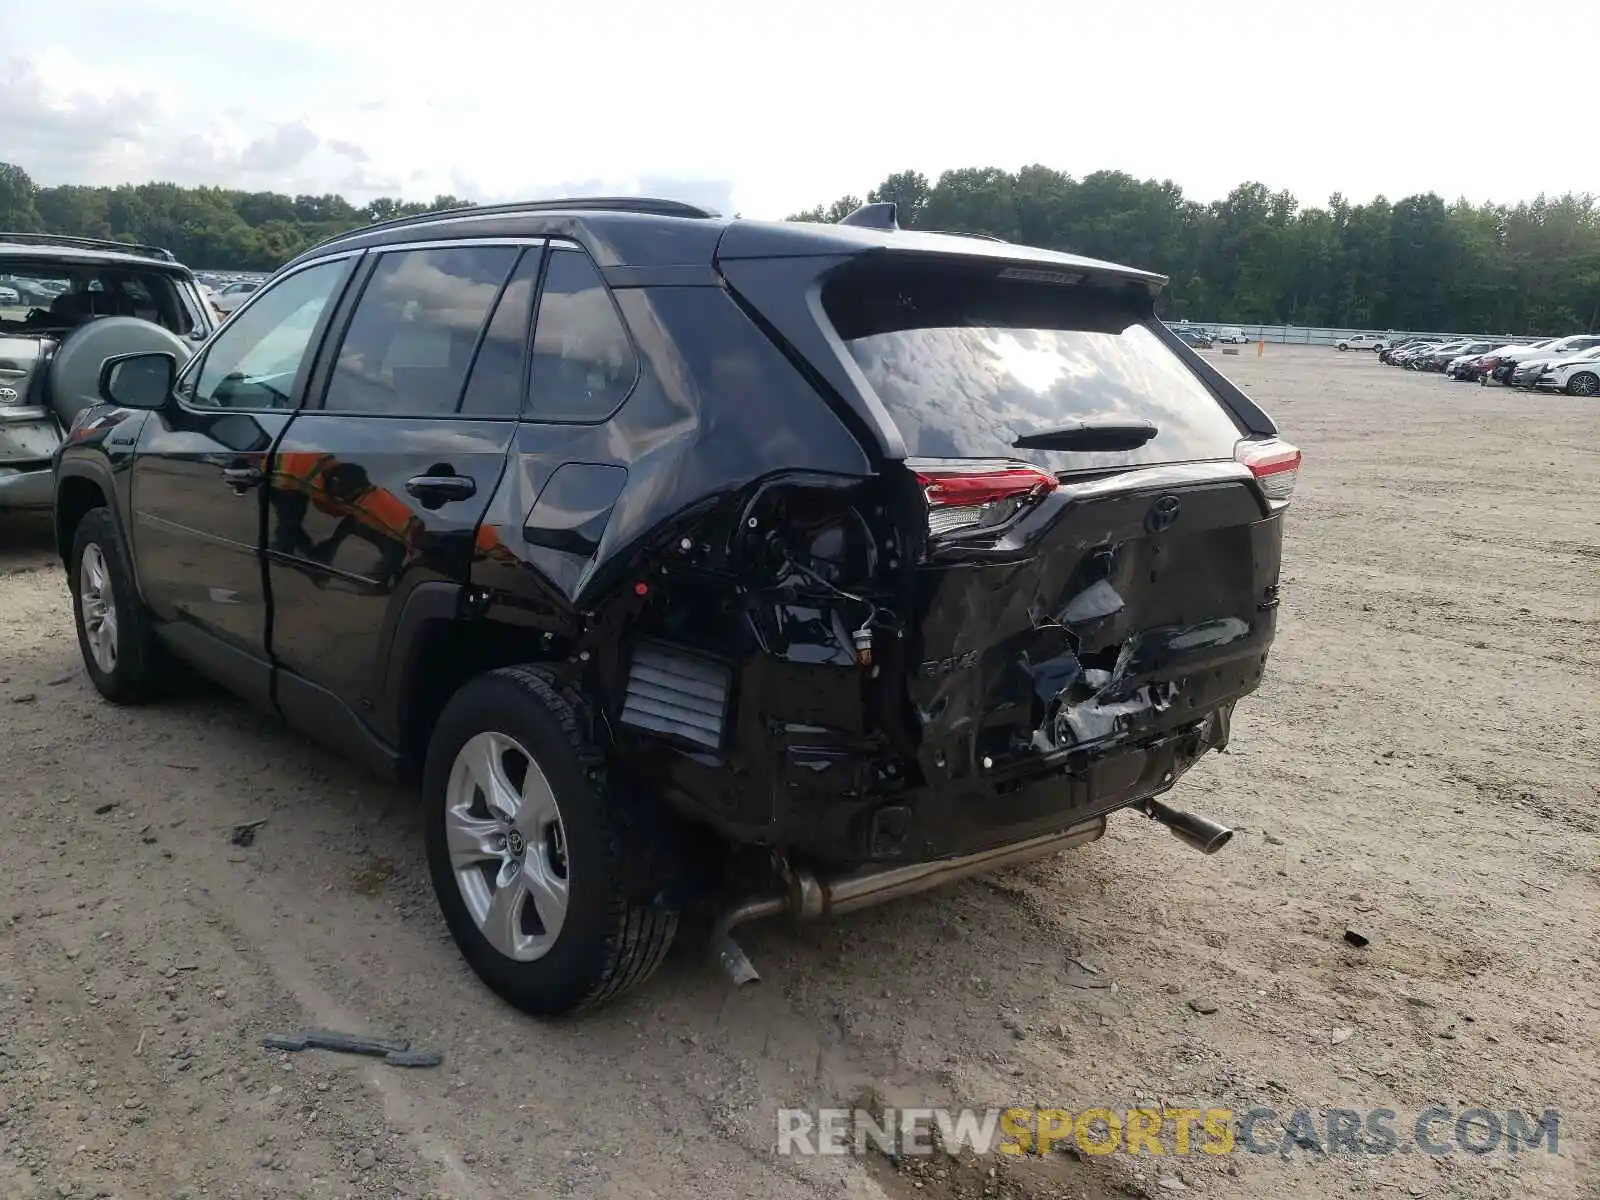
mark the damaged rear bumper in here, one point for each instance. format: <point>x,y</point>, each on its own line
<point>994,805</point>
<point>845,797</point>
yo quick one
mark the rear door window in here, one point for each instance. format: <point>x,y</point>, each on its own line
<point>415,330</point>
<point>966,365</point>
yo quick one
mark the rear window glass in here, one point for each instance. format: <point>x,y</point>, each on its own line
<point>56,296</point>
<point>965,371</point>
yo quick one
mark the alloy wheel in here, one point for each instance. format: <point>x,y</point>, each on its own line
<point>99,608</point>
<point>1584,384</point>
<point>507,846</point>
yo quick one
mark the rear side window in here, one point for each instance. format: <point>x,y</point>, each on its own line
<point>583,362</point>
<point>966,365</point>
<point>415,329</point>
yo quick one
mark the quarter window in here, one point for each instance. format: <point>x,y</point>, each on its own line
<point>253,363</point>
<point>415,329</point>
<point>583,363</point>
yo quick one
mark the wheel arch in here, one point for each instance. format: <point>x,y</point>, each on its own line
<point>437,646</point>
<point>80,488</point>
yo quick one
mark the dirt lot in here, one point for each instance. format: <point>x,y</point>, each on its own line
<point>1417,763</point>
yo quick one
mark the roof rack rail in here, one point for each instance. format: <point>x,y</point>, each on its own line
<point>86,243</point>
<point>648,205</point>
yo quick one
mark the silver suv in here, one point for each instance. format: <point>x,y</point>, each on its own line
<point>66,305</point>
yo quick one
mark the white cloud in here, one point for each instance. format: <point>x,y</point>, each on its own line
<point>773,109</point>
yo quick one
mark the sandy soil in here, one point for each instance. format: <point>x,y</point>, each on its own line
<point>1418,763</point>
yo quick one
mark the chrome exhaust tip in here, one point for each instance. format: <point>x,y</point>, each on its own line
<point>1202,833</point>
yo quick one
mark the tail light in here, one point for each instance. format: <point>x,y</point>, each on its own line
<point>963,496</point>
<point>1275,464</point>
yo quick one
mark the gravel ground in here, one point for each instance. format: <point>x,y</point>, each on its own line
<point>1417,763</point>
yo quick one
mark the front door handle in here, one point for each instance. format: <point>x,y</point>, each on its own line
<point>434,490</point>
<point>241,479</point>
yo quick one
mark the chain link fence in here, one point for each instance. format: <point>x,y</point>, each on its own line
<point>1310,335</point>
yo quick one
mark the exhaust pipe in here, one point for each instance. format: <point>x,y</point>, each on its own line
<point>729,954</point>
<point>1204,834</point>
<point>809,898</point>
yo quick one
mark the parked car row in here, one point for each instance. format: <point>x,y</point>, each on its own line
<point>225,291</point>
<point>1568,364</point>
<point>1195,336</point>
<point>1199,335</point>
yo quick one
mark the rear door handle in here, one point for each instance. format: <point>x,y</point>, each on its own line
<point>436,489</point>
<point>241,479</point>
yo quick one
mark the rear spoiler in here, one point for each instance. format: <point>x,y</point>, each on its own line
<point>871,230</point>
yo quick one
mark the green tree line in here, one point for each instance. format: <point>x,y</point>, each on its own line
<point>206,227</point>
<point>1255,256</point>
<point>1259,256</point>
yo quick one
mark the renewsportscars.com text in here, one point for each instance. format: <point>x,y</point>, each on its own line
<point>1162,1131</point>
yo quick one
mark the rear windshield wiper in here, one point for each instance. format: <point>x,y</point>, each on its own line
<point>1089,435</point>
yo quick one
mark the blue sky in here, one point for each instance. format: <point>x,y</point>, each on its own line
<point>766,109</point>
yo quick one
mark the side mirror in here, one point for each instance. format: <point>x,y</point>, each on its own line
<point>141,380</point>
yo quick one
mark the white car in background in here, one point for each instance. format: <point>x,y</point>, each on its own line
<point>1228,335</point>
<point>1363,341</point>
<point>1577,375</point>
<point>235,294</point>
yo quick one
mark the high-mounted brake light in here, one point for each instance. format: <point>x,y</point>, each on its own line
<point>1275,464</point>
<point>959,496</point>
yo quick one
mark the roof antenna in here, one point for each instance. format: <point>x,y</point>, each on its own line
<point>883,215</point>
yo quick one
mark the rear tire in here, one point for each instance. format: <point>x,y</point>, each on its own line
<point>588,923</point>
<point>124,660</point>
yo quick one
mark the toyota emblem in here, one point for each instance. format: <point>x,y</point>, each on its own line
<point>1163,514</point>
<point>8,395</point>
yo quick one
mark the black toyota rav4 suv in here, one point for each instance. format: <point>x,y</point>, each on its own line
<point>693,564</point>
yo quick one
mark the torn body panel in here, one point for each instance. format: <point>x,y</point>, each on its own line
<point>789,666</point>
<point>1080,626</point>
<point>790,670</point>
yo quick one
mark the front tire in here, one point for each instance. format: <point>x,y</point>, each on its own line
<point>537,862</point>
<point>1584,383</point>
<point>120,651</point>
